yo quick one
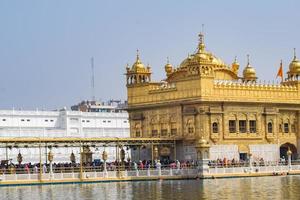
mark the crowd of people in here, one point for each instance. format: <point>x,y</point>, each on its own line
<point>244,163</point>
<point>27,168</point>
<point>11,168</point>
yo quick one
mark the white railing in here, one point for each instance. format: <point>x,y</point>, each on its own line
<point>99,175</point>
<point>95,174</point>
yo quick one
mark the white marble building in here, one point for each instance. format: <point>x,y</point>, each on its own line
<point>107,122</point>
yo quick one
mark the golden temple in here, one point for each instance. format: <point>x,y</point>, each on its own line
<point>204,97</point>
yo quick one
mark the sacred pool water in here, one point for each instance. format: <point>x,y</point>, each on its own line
<point>273,187</point>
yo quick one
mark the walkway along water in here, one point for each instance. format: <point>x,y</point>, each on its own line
<point>97,175</point>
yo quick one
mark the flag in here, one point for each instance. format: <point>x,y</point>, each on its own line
<point>280,72</point>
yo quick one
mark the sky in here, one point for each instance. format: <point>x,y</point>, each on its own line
<point>46,45</point>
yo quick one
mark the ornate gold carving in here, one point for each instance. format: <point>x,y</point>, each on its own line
<point>204,90</point>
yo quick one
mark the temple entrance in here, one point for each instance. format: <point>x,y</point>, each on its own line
<point>243,156</point>
<point>285,147</point>
<point>165,160</point>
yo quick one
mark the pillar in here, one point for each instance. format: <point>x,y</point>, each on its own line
<point>104,157</point>
<point>50,159</point>
<point>202,148</point>
<point>41,174</point>
<point>81,167</point>
<point>250,162</point>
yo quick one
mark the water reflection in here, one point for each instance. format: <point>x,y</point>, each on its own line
<point>235,188</point>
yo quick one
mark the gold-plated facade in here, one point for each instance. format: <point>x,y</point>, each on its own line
<point>204,97</point>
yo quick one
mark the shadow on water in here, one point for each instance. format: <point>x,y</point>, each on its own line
<point>273,187</point>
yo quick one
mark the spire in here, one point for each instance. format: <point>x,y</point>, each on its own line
<point>248,60</point>
<point>201,45</point>
<point>137,55</point>
<point>235,66</point>
<point>168,61</point>
<point>295,54</point>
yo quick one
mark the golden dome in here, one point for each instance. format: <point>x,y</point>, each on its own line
<point>202,56</point>
<point>138,66</point>
<point>168,67</point>
<point>295,64</point>
<point>249,72</point>
<point>186,61</point>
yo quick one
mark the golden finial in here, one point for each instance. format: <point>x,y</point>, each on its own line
<point>137,55</point>
<point>201,38</point>
<point>248,59</point>
<point>201,45</point>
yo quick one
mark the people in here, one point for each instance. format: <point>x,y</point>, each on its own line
<point>158,165</point>
<point>141,165</point>
<point>44,169</point>
<point>177,164</point>
<point>27,169</point>
<point>36,170</point>
<point>135,167</point>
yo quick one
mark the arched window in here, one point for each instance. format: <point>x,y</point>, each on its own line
<point>232,126</point>
<point>286,127</point>
<point>215,127</point>
<point>270,127</point>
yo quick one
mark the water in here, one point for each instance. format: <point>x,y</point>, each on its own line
<point>273,187</point>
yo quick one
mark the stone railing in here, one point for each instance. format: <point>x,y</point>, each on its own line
<point>163,87</point>
<point>253,86</point>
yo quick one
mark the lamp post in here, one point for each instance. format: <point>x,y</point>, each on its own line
<point>104,157</point>
<point>20,158</point>
<point>122,155</point>
<point>289,154</point>
<point>72,158</point>
<point>250,162</point>
<point>50,159</point>
<point>155,153</point>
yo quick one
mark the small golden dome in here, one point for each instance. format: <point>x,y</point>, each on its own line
<point>138,65</point>
<point>249,72</point>
<point>202,141</point>
<point>168,67</point>
<point>295,64</point>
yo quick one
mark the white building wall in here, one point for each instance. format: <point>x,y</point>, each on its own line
<point>224,151</point>
<point>60,124</point>
<point>267,152</point>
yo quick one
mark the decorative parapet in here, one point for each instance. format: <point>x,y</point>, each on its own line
<point>252,86</point>
<point>163,87</point>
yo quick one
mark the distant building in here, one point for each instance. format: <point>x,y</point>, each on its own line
<point>95,106</point>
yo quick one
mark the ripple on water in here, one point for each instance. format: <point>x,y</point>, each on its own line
<point>273,187</point>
